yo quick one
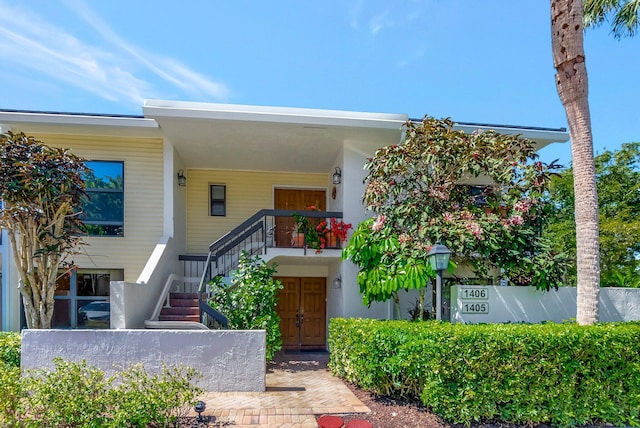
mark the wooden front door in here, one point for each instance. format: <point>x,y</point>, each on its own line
<point>302,309</point>
<point>294,199</point>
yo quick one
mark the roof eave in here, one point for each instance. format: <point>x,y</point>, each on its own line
<point>285,115</point>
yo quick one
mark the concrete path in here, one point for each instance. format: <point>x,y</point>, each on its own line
<point>299,387</point>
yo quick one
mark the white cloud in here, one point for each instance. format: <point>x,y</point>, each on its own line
<point>354,14</point>
<point>111,72</point>
<point>379,22</point>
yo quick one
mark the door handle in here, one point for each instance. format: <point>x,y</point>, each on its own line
<point>302,319</point>
<point>297,320</point>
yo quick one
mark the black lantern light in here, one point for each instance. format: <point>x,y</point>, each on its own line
<point>199,407</point>
<point>439,259</point>
<point>337,176</point>
<point>182,180</point>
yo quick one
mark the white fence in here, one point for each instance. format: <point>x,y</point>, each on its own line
<point>494,304</point>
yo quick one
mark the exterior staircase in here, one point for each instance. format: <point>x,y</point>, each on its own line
<point>182,307</point>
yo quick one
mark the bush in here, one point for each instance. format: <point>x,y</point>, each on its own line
<point>74,394</point>
<point>10,349</point>
<point>141,399</point>
<point>249,303</point>
<point>560,374</point>
<point>9,395</point>
<point>78,395</point>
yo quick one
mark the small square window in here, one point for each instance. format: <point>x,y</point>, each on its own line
<point>218,200</point>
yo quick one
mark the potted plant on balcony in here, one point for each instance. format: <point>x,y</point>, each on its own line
<point>339,230</point>
<point>304,233</point>
<point>319,236</point>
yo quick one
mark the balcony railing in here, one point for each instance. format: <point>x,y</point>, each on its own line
<point>265,229</point>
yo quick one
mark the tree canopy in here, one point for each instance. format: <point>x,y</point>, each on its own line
<point>42,190</point>
<point>480,194</point>
<point>618,183</point>
<point>623,15</point>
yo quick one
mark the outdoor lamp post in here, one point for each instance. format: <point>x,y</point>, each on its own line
<point>439,259</point>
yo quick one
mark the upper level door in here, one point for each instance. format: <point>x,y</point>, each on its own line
<point>294,199</point>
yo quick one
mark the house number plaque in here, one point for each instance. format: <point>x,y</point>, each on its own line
<point>474,300</point>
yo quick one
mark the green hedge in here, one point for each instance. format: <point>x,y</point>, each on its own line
<point>560,374</point>
<point>10,349</point>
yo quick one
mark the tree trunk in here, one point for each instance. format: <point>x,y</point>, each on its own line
<point>396,305</point>
<point>37,278</point>
<point>572,85</point>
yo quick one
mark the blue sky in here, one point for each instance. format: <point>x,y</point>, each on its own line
<point>474,61</point>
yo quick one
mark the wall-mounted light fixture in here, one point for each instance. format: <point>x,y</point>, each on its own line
<point>337,176</point>
<point>182,180</point>
<point>337,282</point>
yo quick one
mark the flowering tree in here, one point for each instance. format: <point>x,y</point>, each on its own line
<point>418,191</point>
<point>41,190</point>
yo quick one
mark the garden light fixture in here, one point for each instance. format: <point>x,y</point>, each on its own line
<point>199,407</point>
<point>439,259</point>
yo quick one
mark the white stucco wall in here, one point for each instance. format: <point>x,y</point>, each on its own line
<point>353,174</point>
<point>526,304</point>
<point>228,360</point>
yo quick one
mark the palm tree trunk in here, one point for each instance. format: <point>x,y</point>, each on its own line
<point>572,85</point>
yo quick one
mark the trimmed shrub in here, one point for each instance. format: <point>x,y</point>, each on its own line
<point>9,395</point>
<point>141,399</point>
<point>560,374</point>
<point>77,395</point>
<point>73,394</point>
<point>10,349</point>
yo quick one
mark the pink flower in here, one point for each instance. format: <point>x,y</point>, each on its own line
<point>448,217</point>
<point>474,228</point>
<point>466,215</point>
<point>515,220</point>
<point>523,206</point>
<point>378,224</point>
<point>404,238</point>
<point>437,193</point>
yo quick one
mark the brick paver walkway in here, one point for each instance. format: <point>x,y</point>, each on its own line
<point>297,391</point>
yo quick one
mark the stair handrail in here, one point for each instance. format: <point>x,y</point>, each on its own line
<point>247,224</point>
<point>247,227</point>
<point>268,213</point>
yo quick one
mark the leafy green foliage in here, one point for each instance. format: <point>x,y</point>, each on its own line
<point>42,189</point>
<point>415,189</point>
<point>387,264</point>
<point>9,378</point>
<point>159,399</point>
<point>78,395</point>
<point>618,182</point>
<point>74,394</point>
<point>558,374</point>
<point>250,301</point>
<point>9,349</point>
<point>624,15</point>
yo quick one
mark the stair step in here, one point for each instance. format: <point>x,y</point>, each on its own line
<point>183,302</point>
<point>184,296</point>
<point>194,318</point>
<point>180,310</point>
